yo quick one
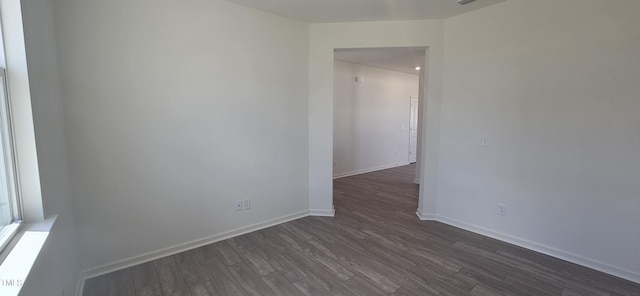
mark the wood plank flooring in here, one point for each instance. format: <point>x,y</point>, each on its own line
<point>374,246</point>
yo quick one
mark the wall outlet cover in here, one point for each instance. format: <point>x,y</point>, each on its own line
<point>502,209</point>
<point>239,205</point>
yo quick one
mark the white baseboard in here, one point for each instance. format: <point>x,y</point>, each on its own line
<point>323,213</point>
<point>573,258</point>
<point>121,264</point>
<point>358,172</point>
<point>132,261</point>
<point>425,216</point>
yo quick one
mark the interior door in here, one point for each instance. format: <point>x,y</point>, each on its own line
<point>413,130</point>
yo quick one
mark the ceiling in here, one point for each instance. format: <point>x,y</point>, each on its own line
<point>402,59</point>
<point>328,11</point>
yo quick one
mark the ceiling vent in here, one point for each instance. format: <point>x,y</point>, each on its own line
<point>463,2</point>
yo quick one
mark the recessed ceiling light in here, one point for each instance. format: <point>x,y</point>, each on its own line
<point>418,68</point>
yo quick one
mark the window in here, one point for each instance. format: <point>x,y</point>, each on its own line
<point>10,214</point>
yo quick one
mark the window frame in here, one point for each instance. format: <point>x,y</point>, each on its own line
<point>7,140</point>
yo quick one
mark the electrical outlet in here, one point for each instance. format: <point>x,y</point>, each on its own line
<point>238,205</point>
<point>484,141</point>
<point>502,209</point>
<point>246,204</point>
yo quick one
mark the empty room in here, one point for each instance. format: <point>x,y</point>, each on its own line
<point>166,147</point>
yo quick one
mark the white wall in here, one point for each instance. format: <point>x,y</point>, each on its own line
<point>555,86</point>
<point>371,119</point>
<point>56,266</point>
<point>175,110</point>
<point>324,38</point>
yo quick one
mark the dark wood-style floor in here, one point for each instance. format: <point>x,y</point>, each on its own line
<point>374,246</point>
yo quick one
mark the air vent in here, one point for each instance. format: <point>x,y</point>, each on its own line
<point>463,2</point>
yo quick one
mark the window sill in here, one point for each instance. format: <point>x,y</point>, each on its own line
<point>18,263</point>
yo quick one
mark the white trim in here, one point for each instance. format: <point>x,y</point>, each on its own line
<point>384,167</point>
<point>7,232</point>
<point>323,213</point>
<point>573,258</point>
<point>416,181</point>
<point>26,156</point>
<point>150,256</point>
<point>25,249</point>
<point>426,217</point>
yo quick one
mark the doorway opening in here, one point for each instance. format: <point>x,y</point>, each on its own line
<point>376,130</point>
